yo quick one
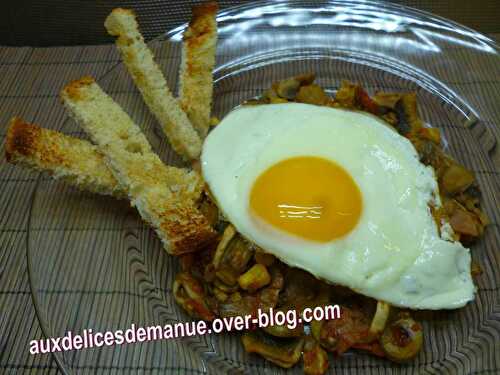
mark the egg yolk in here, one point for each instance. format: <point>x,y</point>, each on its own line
<point>307,196</point>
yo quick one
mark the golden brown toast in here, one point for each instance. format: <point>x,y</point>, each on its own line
<point>197,64</point>
<point>154,188</point>
<point>71,159</point>
<point>151,83</point>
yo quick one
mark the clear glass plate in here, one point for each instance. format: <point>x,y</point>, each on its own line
<point>94,264</point>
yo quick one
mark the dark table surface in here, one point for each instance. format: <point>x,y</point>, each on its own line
<point>77,22</point>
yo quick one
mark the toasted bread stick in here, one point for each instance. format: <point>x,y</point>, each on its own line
<point>197,64</point>
<point>73,160</point>
<point>150,81</point>
<point>153,187</point>
<point>76,161</point>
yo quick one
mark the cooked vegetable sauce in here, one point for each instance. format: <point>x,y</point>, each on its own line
<point>236,277</point>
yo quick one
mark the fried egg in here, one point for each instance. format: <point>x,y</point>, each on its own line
<point>339,194</point>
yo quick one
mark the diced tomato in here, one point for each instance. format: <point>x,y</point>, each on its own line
<point>367,103</point>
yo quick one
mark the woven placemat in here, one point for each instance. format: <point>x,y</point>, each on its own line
<point>30,81</point>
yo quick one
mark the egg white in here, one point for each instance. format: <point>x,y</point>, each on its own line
<point>395,252</point>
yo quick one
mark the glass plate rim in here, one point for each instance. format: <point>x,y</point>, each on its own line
<point>172,33</point>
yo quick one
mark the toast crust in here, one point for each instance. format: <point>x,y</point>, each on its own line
<point>21,139</point>
<point>73,88</point>
<point>208,8</point>
<point>197,64</point>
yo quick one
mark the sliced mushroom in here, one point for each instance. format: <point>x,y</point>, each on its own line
<point>227,236</point>
<point>189,294</point>
<point>465,223</point>
<point>346,95</point>
<point>365,103</point>
<point>456,179</point>
<point>224,287</point>
<point>338,335</point>
<point>386,99</point>
<point>238,253</point>
<point>379,319</point>
<point>220,295</point>
<point>409,121</point>
<point>431,134</point>
<point>402,340</point>
<point>312,94</point>
<point>284,330</point>
<point>403,125</point>
<point>231,256</point>
<point>237,305</point>
<point>283,352</point>
<point>306,78</point>
<point>287,88</point>
<point>315,358</point>
<point>282,91</point>
<point>466,219</point>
